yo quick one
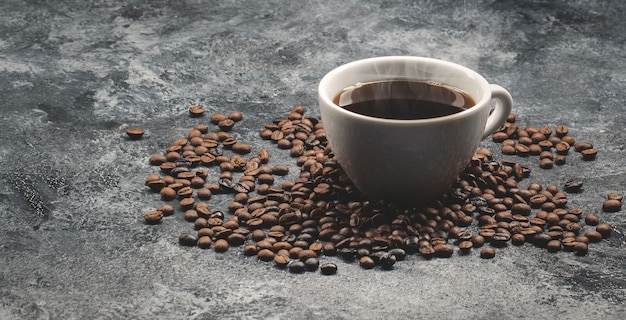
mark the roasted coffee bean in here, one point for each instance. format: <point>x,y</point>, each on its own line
<point>153,217</point>
<point>226,124</point>
<point>581,248</point>
<point>188,239</point>
<point>589,154</point>
<point>220,245</point>
<point>443,250</point>
<point>241,148</point>
<point>478,241</point>
<point>196,110</point>
<point>366,262</point>
<point>204,242</point>
<point>281,261</point>
<point>541,239</point>
<point>296,266</point>
<point>166,209</point>
<point>593,236</point>
<point>574,185</point>
<point>311,264</point>
<point>400,254</point>
<point>328,268</point>
<point>518,239</point>
<point>487,253</point>
<point>167,194</point>
<point>611,205</point>
<point>134,133</point>
<point>592,220</point>
<point>387,260</point>
<point>265,255</point>
<point>554,246</point>
<point>235,116</point>
<point>604,229</point>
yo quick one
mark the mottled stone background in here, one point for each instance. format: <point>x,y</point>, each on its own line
<point>74,74</point>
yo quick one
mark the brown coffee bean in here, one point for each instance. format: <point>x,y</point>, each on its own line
<point>367,262</point>
<point>220,245</point>
<point>280,170</point>
<point>153,217</point>
<point>546,163</point>
<point>611,205</point>
<point>604,229</point>
<point>581,248</point>
<point>561,130</point>
<point>478,241</point>
<point>265,255</point>
<point>166,209</point>
<point>562,148</point>
<point>589,154</point>
<point>580,146</point>
<point>518,239</point>
<point>235,116</point>
<point>216,118</point>
<point>593,236</point>
<point>305,254</point>
<point>281,260</point>
<point>250,249</point>
<point>204,242</point>
<point>615,196</point>
<point>487,253</point>
<point>554,246</point>
<point>443,250</point>
<point>499,137</point>
<point>196,110</point>
<point>134,133</point>
<point>560,160</point>
<point>226,124</point>
<point>167,194</point>
<point>241,148</point>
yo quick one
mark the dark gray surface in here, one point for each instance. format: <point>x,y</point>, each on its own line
<point>75,74</point>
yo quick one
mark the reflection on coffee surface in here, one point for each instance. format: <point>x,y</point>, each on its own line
<point>403,100</point>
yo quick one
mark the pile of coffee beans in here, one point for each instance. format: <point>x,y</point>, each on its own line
<point>552,145</point>
<point>293,223</point>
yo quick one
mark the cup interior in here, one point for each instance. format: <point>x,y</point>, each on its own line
<point>404,68</point>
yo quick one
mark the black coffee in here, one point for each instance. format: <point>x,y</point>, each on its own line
<point>403,100</point>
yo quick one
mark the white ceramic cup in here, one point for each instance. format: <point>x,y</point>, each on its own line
<point>409,160</point>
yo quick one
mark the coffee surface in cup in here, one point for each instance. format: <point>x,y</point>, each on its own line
<point>403,99</point>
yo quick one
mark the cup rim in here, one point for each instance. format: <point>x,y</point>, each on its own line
<point>323,84</point>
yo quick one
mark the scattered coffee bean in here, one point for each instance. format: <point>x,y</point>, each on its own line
<point>196,111</point>
<point>611,205</point>
<point>604,229</point>
<point>204,242</point>
<point>134,133</point>
<point>487,253</point>
<point>554,246</point>
<point>311,264</point>
<point>574,185</point>
<point>220,245</point>
<point>366,262</point>
<point>296,266</point>
<point>592,220</point>
<point>328,268</point>
<point>153,217</point>
<point>235,116</point>
<point>593,236</point>
<point>188,239</point>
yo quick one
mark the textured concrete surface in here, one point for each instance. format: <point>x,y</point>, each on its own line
<point>74,74</point>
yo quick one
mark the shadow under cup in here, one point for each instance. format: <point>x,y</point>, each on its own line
<point>408,161</point>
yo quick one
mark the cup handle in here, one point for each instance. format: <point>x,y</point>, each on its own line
<point>504,103</point>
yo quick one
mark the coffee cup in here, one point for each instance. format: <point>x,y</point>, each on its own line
<point>413,157</point>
